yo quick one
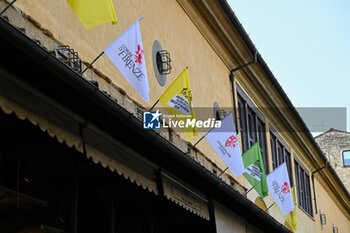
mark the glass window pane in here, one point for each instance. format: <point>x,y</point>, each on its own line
<point>346,158</point>
<point>289,167</point>
<point>262,143</point>
<point>280,153</point>
<point>302,187</point>
<point>242,121</point>
<point>308,195</point>
<point>273,151</point>
<point>251,127</point>
<point>296,170</point>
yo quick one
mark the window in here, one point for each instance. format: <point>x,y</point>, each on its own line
<point>242,121</point>
<point>252,126</point>
<point>346,158</point>
<point>161,62</point>
<point>280,154</point>
<point>262,141</point>
<point>219,114</point>
<point>303,188</point>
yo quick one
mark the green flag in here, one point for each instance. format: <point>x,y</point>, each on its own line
<point>255,172</point>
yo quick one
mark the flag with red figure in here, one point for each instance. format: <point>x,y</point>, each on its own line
<point>126,53</point>
<point>279,187</point>
<point>225,143</point>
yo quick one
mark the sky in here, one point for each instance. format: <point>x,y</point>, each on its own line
<point>306,44</point>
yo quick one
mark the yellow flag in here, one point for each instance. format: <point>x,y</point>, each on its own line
<point>177,100</point>
<point>94,12</point>
<point>291,217</point>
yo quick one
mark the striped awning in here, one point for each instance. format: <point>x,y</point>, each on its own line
<point>59,122</point>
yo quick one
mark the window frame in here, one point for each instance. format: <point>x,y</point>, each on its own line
<point>303,187</point>
<point>280,153</point>
<point>242,123</point>
<point>250,120</point>
<point>346,150</point>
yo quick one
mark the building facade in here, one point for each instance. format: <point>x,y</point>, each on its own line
<point>336,146</point>
<point>75,157</point>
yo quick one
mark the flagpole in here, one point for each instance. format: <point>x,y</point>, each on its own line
<point>207,132</point>
<point>190,148</point>
<point>270,206</point>
<point>222,172</point>
<point>199,140</point>
<point>250,189</point>
<point>154,105</point>
<point>7,7</point>
<point>92,62</point>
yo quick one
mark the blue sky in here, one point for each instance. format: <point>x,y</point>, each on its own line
<point>306,44</point>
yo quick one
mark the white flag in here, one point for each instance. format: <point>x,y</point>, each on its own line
<point>126,52</point>
<point>279,187</point>
<point>225,143</point>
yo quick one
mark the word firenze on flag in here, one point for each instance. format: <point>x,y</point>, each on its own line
<point>126,52</point>
<point>279,187</point>
<point>225,143</point>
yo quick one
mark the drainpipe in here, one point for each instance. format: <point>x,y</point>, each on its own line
<point>313,182</point>
<point>232,79</point>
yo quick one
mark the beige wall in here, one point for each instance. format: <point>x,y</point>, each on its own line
<point>330,207</point>
<point>226,221</point>
<point>165,21</point>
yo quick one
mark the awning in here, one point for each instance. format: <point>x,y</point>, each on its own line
<point>62,124</point>
<point>185,196</point>
<point>58,122</point>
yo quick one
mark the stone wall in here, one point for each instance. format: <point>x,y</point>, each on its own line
<point>333,143</point>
